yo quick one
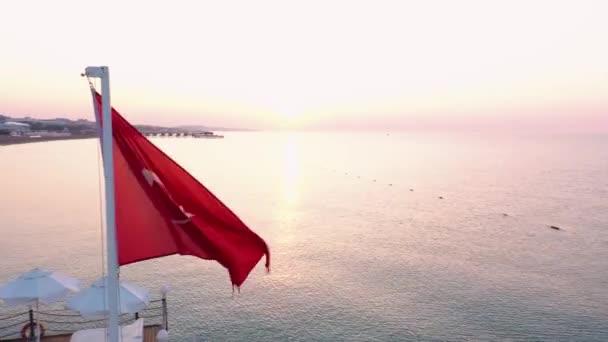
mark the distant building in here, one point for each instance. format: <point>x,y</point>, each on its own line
<point>88,131</point>
<point>43,134</point>
<point>12,126</point>
<point>59,122</point>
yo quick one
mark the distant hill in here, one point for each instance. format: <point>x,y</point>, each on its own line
<point>211,128</point>
<point>194,127</point>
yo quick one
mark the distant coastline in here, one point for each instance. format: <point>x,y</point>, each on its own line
<point>26,130</point>
<point>17,140</point>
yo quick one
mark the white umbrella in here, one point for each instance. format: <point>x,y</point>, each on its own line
<point>91,302</point>
<point>38,286</point>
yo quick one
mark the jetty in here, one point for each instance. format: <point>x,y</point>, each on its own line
<point>171,132</point>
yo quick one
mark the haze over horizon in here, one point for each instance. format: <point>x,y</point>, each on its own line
<point>538,65</point>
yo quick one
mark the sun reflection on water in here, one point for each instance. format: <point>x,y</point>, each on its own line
<point>290,175</point>
<point>289,189</point>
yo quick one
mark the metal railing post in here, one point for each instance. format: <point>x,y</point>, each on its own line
<point>165,314</point>
<point>32,326</point>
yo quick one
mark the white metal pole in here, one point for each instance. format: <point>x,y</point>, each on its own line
<point>108,162</point>
<point>108,166</point>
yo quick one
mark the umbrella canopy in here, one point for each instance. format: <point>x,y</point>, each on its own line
<point>92,303</point>
<point>38,286</point>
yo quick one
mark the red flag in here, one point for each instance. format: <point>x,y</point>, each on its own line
<point>162,210</point>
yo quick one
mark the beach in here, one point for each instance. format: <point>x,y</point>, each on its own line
<point>11,140</point>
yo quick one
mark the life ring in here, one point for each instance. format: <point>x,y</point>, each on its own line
<point>25,332</point>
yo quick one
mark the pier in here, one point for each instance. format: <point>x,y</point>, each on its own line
<point>179,133</point>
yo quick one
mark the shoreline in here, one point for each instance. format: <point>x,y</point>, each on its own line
<point>6,140</point>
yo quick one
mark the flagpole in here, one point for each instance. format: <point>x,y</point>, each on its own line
<point>103,73</point>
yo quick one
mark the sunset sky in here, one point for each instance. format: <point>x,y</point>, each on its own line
<point>313,64</point>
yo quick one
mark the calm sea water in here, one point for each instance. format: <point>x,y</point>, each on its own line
<point>357,256</point>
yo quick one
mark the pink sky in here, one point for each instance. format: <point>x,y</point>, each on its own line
<point>344,64</point>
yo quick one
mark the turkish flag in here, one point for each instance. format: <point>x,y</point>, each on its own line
<point>162,210</point>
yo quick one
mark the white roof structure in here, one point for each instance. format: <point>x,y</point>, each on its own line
<point>13,123</point>
<point>14,126</point>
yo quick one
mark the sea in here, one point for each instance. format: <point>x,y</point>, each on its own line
<point>375,236</point>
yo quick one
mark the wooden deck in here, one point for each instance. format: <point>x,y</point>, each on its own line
<point>150,332</point>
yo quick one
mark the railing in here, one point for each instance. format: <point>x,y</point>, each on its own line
<point>62,321</point>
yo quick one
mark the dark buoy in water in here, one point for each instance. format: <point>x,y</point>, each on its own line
<point>411,189</point>
<point>390,184</point>
<point>555,227</point>
<point>505,214</point>
<point>374,180</point>
<point>440,197</point>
